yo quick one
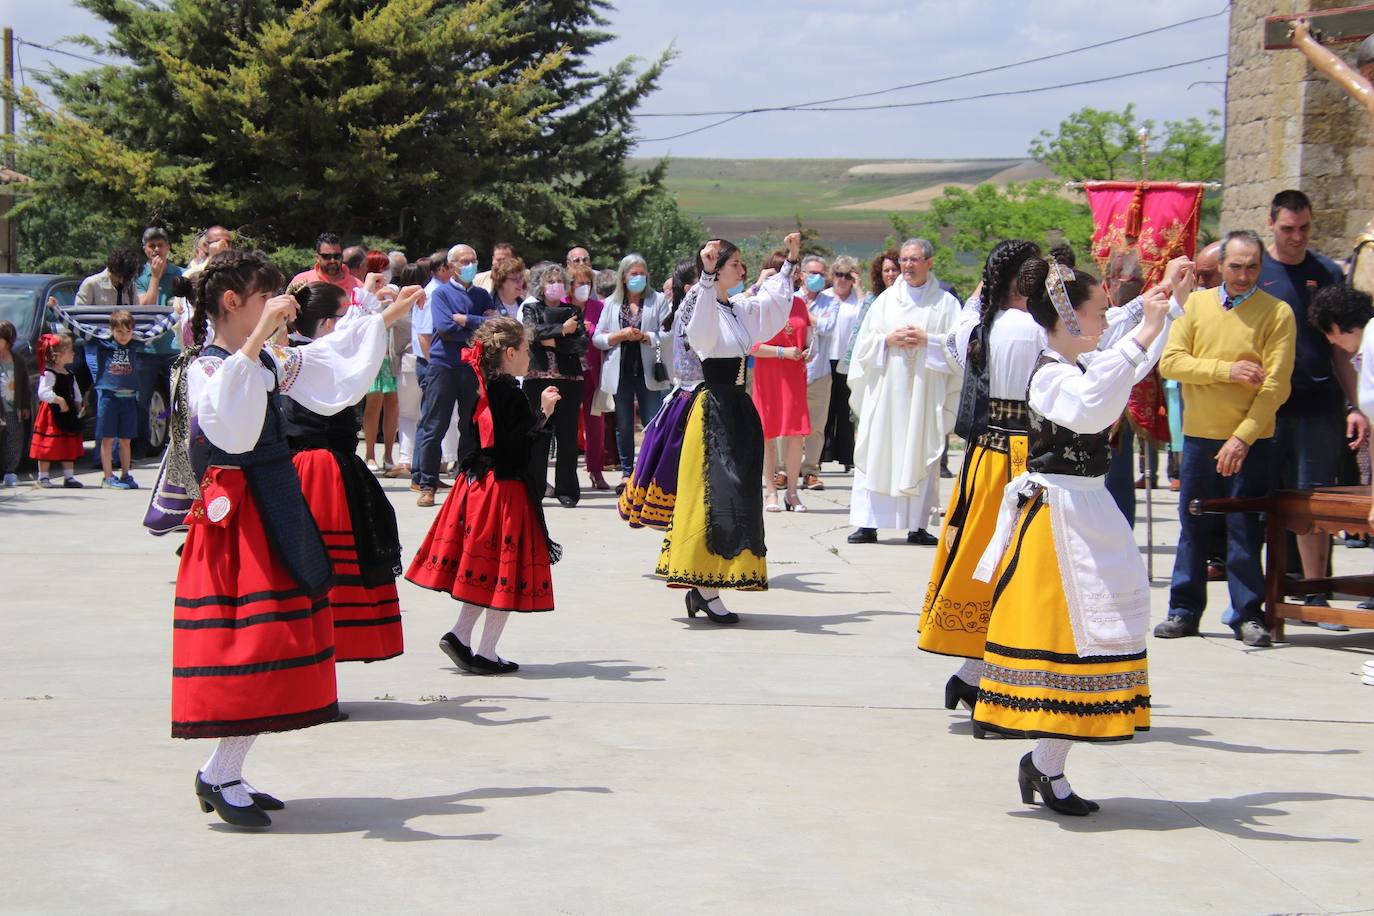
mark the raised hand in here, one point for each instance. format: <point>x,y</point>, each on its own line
<point>710,254</point>
<point>275,314</point>
<point>402,304</point>
<point>792,242</point>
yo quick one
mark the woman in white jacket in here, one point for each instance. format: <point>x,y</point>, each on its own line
<point>631,332</point>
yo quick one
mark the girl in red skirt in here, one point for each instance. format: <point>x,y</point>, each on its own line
<point>253,639</point>
<point>350,508</point>
<point>489,547</point>
<point>57,427</point>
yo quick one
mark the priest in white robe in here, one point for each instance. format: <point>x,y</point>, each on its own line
<point>904,406</point>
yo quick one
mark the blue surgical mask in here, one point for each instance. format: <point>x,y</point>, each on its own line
<point>735,290</point>
<point>467,272</point>
<point>815,282</point>
<point>636,283</point>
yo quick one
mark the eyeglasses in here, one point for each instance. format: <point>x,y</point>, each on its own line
<point>579,260</point>
<point>912,260</point>
<point>331,256</point>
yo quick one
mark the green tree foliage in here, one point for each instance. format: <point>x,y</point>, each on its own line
<point>428,121</point>
<point>964,224</point>
<point>663,234</point>
<point>1105,145</point>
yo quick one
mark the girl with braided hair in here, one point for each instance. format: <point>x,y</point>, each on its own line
<point>1065,665</point>
<point>253,639</point>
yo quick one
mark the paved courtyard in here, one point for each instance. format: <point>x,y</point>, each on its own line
<point>638,763</point>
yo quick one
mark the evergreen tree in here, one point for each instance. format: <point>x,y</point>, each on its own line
<point>428,121</point>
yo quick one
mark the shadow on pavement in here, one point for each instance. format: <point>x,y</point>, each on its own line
<point>1238,817</point>
<point>387,818</point>
<point>460,709</point>
<point>817,624</point>
<point>1195,737</point>
<point>795,582</point>
<point>606,669</point>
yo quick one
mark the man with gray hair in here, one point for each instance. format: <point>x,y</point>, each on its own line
<point>904,407</point>
<point>1233,352</point>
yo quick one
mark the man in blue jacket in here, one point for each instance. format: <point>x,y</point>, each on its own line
<point>456,310</point>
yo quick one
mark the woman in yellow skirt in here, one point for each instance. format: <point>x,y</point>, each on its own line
<point>995,346</point>
<point>1068,664</point>
<point>714,539</point>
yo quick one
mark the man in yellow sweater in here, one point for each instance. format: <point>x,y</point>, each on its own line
<point>1232,352</point>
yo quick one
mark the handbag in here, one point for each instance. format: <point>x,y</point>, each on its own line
<point>660,371</point>
<point>176,489</point>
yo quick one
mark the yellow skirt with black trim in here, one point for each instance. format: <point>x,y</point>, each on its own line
<point>954,617</point>
<point>685,561</point>
<point>1034,683</point>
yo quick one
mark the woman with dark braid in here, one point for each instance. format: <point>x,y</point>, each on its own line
<point>349,506</point>
<point>252,638</point>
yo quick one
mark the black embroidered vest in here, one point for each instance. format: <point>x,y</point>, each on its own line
<point>1056,450</point>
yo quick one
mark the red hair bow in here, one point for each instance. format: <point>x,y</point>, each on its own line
<point>46,344</point>
<point>481,412</point>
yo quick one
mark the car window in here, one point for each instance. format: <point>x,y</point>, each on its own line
<point>17,307</point>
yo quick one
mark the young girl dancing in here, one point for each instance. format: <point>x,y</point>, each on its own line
<point>350,508</point>
<point>57,427</point>
<point>1066,665</point>
<point>252,639</point>
<point>489,547</point>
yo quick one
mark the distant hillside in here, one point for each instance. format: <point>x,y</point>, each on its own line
<point>848,200</point>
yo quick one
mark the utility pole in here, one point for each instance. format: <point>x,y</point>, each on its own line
<point>9,235</point>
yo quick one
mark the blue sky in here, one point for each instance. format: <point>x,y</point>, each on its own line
<point>769,53</point>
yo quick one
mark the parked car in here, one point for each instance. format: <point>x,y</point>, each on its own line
<point>24,301</point>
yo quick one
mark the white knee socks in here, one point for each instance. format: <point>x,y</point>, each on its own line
<point>491,632</point>
<point>226,765</point>
<point>971,672</point>
<point>1049,756</point>
<point>710,596</point>
<point>467,620</point>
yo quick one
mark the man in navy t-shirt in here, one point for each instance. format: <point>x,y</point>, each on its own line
<point>1318,423</point>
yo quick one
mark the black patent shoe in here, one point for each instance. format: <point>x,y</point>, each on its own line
<point>1032,780</point>
<point>266,802</point>
<point>458,653</point>
<point>956,692</point>
<point>212,799</point>
<point>863,536</point>
<point>922,538</point>
<point>483,665</point>
<point>696,603</point>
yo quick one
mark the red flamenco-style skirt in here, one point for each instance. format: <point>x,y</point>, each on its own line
<point>49,443</point>
<point>252,652</point>
<point>367,619</point>
<point>487,547</point>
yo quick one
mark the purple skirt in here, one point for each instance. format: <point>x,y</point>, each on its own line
<point>647,501</point>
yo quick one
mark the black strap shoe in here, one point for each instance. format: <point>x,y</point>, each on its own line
<point>864,536</point>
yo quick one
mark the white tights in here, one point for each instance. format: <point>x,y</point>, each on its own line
<point>712,596</point>
<point>1049,756</point>
<point>491,630</point>
<point>226,765</point>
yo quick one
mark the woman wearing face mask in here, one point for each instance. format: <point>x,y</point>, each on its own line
<point>559,340</point>
<point>593,424</point>
<point>508,287</point>
<point>630,332</point>
<point>715,537</point>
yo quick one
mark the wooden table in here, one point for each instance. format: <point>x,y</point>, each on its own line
<point>1329,510</point>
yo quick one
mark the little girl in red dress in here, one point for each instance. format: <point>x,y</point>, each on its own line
<point>57,427</point>
<point>489,547</point>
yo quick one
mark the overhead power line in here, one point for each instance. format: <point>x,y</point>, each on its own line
<point>34,44</point>
<point>942,79</point>
<point>966,98</point>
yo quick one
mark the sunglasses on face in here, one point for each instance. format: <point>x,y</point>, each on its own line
<point>330,255</point>
<point>579,260</point>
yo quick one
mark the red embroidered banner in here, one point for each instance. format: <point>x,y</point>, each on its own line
<point>1156,222</point>
<point>1155,219</point>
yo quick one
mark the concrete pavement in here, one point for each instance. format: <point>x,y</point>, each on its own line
<point>799,763</point>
